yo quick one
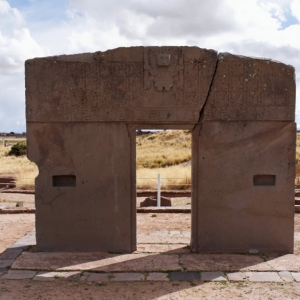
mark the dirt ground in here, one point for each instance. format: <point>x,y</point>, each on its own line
<point>14,226</point>
<point>28,289</point>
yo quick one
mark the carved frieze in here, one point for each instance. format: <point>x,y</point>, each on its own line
<point>164,85</point>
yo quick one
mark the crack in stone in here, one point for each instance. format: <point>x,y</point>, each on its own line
<point>208,93</point>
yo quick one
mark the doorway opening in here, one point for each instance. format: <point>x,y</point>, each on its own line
<point>163,163</point>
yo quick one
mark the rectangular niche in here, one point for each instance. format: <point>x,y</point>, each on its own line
<point>64,181</point>
<point>264,180</point>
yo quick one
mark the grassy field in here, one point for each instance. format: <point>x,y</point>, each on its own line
<point>167,153</point>
<point>24,170</point>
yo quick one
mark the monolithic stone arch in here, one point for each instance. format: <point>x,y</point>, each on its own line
<point>82,113</point>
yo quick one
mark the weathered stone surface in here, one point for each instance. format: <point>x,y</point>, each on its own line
<point>289,262</point>
<point>4,263</point>
<point>296,276</point>
<point>152,201</point>
<point>213,276</point>
<point>246,214</point>
<point>102,87</point>
<point>10,254</point>
<point>157,277</point>
<point>97,261</point>
<point>128,277</point>
<point>248,89</point>
<point>97,277</point>
<point>222,262</point>
<point>71,218</point>
<point>82,115</point>
<point>236,276</point>
<point>184,276</point>
<point>19,274</point>
<point>263,276</point>
<point>2,271</point>
<point>286,276</point>
<point>50,276</point>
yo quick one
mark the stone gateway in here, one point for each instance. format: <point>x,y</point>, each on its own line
<point>82,115</point>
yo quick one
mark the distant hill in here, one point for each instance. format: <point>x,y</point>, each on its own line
<point>163,149</point>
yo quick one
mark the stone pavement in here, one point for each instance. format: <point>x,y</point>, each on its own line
<point>153,261</point>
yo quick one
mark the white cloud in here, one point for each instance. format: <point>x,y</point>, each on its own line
<point>295,8</point>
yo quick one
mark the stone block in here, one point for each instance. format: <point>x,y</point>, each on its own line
<point>6,263</point>
<point>286,276</point>
<point>2,271</point>
<point>184,276</point>
<point>157,277</point>
<point>264,277</point>
<point>244,198</point>
<point>9,254</point>
<point>296,276</point>
<point>97,277</point>
<point>50,276</point>
<point>152,201</point>
<point>19,274</point>
<point>213,276</point>
<point>237,276</point>
<point>128,277</point>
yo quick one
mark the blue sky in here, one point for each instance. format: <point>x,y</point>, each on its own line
<point>36,28</point>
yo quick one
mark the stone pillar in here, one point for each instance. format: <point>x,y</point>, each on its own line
<point>83,189</point>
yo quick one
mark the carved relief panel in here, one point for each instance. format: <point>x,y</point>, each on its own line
<point>162,85</point>
<point>251,89</point>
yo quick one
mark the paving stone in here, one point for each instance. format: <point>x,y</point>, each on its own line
<point>296,276</point>
<point>184,276</point>
<point>10,254</point>
<point>264,277</point>
<point>104,262</point>
<point>223,262</point>
<point>18,274</point>
<point>25,242</point>
<point>128,277</point>
<point>286,276</point>
<point>157,277</point>
<point>213,276</point>
<point>50,276</point>
<point>6,263</point>
<point>237,276</point>
<point>98,277</point>
<point>2,271</point>
<point>20,247</point>
<point>288,262</point>
<point>44,276</point>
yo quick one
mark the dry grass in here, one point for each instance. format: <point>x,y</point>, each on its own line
<point>167,153</point>
<point>174,177</point>
<point>163,149</point>
<point>24,170</point>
